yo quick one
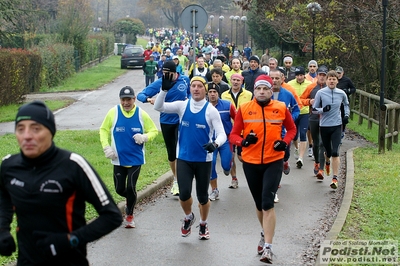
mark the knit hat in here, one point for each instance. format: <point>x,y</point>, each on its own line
<point>313,62</point>
<point>127,92</point>
<point>213,86</point>
<point>201,79</point>
<point>238,76</point>
<point>263,80</point>
<point>169,66</point>
<point>39,112</point>
<point>300,70</point>
<point>255,58</point>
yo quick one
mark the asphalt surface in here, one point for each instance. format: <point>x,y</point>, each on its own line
<point>234,228</point>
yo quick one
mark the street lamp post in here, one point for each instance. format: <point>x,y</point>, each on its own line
<point>232,18</point>
<point>221,18</point>
<point>211,19</point>
<point>237,20</point>
<point>313,8</point>
<point>244,19</point>
<point>382,116</point>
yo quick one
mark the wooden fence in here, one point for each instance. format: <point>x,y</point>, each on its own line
<point>387,117</point>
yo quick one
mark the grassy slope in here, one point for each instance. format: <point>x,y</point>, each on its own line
<point>375,209</point>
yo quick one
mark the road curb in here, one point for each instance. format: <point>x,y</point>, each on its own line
<point>162,181</point>
<point>346,201</point>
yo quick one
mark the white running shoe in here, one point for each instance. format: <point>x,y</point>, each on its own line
<point>234,183</point>
<point>214,195</point>
<point>299,163</point>
<point>129,222</point>
<point>175,189</point>
<point>310,152</point>
<point>276,199</point>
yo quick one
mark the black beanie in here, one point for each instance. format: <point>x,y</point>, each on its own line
<point>37,111</point>
<point>255,58</point>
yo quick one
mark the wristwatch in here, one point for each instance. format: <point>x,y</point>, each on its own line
<point>74,241</point>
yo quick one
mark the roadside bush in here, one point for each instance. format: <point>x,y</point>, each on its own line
<point>20,74</point>
<point>58,63</point>
<point>97,46</point>
<point>26,41</point>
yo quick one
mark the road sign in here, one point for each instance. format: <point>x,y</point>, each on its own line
<point>194,18</point>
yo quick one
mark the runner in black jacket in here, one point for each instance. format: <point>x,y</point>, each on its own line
<point>348,87</point>
<point>47,188</point>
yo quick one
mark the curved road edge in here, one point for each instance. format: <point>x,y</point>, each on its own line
<point>346,202</point>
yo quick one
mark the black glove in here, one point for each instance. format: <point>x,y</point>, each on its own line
<point>7,243</point>
<point>280,145</point>
<point>251,138</point>
<point>167,82</point>
<point>210,147</point>
<point>52,244</point>
<point>345,120</point>
<point>326,108</point>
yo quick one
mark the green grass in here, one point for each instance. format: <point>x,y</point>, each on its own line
<point>8,112</point>
<point>375,209</point>
<point>92,78</point>
<point>142,42</point>
<point>87,144</point>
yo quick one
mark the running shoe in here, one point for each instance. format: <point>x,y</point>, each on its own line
<point>328,168</point>
<point>204,234</point>
<point>234,183</point>
<point>299,163</point>
<point>214,194</point>
<point>296,153</point>
<point>320,175</point>
<point>334,184</point>
<point>175,189</point>
<point>186,228</point>
<point>286,168</point>
<point>267,256</point>
<point>310,152</point>
<point>129,222</point>
<point>276,199</point>
<point>316,168</point>
<point>260,246</point>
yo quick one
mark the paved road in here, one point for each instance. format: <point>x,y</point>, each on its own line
<point>233,225</point>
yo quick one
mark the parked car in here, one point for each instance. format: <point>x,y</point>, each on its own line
<point>132,56</point>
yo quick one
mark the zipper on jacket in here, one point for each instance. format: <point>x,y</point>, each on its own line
<point>264,136</point>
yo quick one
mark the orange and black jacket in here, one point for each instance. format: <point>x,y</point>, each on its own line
<point>267,122</point>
